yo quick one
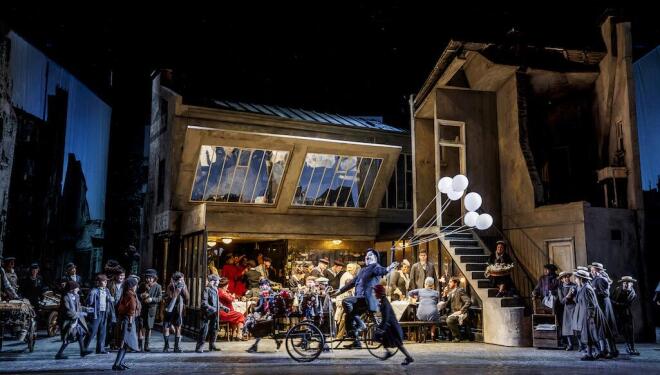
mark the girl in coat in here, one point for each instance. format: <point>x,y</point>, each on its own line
<point>566,292</point>
<point>389,330</point>
<point>128,310</point>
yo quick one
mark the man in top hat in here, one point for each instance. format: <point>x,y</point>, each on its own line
<point>8,264</point>
<point>70,273</point>
<point>546,288</point>
<point>588,320</point>
<point>566,295</point>
<point>363,299</point>
<point>32,286</point>
<point>601,283</point>
<point>151,294</point>
<point>623,297</point>
<point>102,311</point>
<point>7,291</point>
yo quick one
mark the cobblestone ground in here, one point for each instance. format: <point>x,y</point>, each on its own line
<point>430,358</point>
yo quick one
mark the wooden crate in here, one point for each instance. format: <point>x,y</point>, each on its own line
<point>545,338</point>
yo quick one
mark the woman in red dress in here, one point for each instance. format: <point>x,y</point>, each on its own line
<point>234,318</point>
<point>234,273</point>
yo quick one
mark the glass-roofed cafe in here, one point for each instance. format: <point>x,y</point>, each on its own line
<point>268,182</point>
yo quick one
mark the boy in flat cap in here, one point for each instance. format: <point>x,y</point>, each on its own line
<point>151,295</point>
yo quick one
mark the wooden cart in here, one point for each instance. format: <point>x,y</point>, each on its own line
<point>18,315</point>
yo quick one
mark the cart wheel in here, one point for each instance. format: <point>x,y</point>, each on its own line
<point>53,328</point>
<point>375,347</point>
<point>304,342</point>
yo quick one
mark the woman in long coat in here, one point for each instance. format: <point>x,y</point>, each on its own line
<point>389,330</point>
<point>566,293</point>
<point>128,310</point>
<point>588,319</point>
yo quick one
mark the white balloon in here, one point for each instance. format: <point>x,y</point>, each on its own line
<point>455,195</point>
<point>470,218</point>
<point>484,221</point>
<point>472,201</point>
<point>444,185</point>
<point>459,183</point>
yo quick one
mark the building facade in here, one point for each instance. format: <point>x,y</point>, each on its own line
<point>266,181</point>
<point>548,137</point>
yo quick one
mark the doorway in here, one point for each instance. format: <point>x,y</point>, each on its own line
<point>561,253</point>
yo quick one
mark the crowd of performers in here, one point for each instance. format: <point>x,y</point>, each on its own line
<point>592,309</point>
<point>119,311</point>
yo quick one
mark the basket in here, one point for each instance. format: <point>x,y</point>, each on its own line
<point>496,270</point>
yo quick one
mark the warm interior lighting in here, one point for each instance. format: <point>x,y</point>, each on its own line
<point>211,243</point>
<point>336,242</point>
<point>226,241</point>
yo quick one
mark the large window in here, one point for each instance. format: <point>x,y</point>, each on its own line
<point>240,175</point>
<point>336,181</point>
<point>399,190</point>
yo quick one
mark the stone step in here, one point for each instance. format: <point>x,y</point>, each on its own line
<point>476,266</point>
<point>460,236</point>
<point>484,283</point>
<point>463,243</point>
<point>511,302</point>
<point>474,258</point>
<point>469,251</point>
<point>478,275</point>
<point>492,292</point>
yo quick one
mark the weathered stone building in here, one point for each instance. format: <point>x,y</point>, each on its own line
<point>285,183</point>
<point>548,137</point>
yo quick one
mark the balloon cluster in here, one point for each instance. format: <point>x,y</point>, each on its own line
<point>455,188</point>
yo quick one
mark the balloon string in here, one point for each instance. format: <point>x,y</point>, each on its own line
<point>418,217</point>
<point>422,231</point>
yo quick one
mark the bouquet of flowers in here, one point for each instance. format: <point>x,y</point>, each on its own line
<point>498,269</point>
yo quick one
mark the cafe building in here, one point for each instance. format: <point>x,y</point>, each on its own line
<point>268,181</point>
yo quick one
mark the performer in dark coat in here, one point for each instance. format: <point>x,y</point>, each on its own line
<point>389,330</point>
<point>500,256</point>
<point>566,295</point>
<point>210,308</point>
<point>72,320</point>
<point>363,299</point>
<point>70,273</point>
<point>548,283</point>
<point>32,287</point>
<point>421,270</point>
<point>588,320</point>
<point>623,297</point>
<point>336,271</point>
<point>458,303</point>
<point>128,310</point>
<point>176,298</point>
<point>601,283</point>
<point>151,295</point>
<point>102,311</point>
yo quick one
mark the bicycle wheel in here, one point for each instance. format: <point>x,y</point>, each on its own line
<point>374,346</point>
<point>304,342</point>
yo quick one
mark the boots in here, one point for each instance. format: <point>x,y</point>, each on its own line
<point>611,346</point>
<point>147,336</point>
<point>589,355</point>
<point>177,340</point>
<point>631,349</point>
<point>212,347</point>
<point>604,353</point>
<point>569,343</point>
<point>166,347</point>
<point>140,343</point>
<point>60,353</point>
<point>254,347</point>
<point>119,364</point>
<point>83,351</point>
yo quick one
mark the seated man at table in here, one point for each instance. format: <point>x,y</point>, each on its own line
<point>363,299</point>
<point>458,303</point>
<point>427,311</point>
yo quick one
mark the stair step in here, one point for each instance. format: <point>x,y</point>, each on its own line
<point>484,283</point>
<point>463,243</point>
<point>511,302</point>
<point>469,251</point>
<point>474,258</point>
<point>476,266</point>
<point>459,236</point>
<point>492,292</point>
<point>478,275</point>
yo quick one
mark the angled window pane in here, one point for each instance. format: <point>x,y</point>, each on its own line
<point>335,181</point>
<point>232,174</point>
